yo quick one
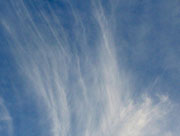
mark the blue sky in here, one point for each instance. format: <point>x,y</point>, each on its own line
<point>89,68</point>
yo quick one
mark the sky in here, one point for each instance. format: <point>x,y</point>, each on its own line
<point>89,68</point>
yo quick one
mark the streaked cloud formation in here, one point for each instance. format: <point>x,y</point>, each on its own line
<point>74,61</point>
<point>5,120</point>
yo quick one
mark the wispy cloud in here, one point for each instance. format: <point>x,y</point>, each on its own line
<point>80,86</point>
<point>6,126</point>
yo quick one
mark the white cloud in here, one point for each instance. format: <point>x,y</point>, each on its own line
<point>80,96</point>
<point>6,126</point>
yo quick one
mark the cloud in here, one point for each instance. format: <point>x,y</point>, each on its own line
<point>80,88</point>
<point>6,126</point>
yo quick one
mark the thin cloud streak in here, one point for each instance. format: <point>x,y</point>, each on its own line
<point>6,125</point>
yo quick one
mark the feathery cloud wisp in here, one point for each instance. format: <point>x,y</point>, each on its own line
<point>74,73</point>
